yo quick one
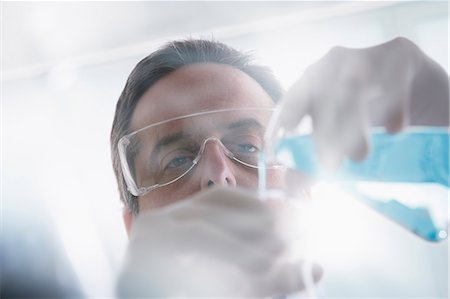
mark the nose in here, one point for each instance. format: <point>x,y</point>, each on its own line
<point>214,166</point>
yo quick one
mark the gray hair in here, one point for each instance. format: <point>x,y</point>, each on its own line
<point>160,63</point>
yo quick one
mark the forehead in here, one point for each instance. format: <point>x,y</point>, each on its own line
<point>195,88</point>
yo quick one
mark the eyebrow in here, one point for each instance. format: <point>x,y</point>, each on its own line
<point>167,140</point>
<point>245,123</point>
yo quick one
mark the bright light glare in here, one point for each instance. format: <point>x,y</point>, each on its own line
<point>77,229</point>
<point>442,234</point>
<point>304,45</point>
<point>344,223</point>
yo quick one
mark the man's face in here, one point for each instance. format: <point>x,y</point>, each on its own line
<point>192,89</point>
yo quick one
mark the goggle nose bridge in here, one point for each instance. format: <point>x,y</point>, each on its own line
<point>227,152</point>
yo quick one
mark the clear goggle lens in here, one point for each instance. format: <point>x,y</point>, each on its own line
<point>162,153</point>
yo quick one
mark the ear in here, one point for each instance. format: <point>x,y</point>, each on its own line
<point>127,219</point>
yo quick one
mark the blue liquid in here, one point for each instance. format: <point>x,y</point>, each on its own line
<point>415,156</point>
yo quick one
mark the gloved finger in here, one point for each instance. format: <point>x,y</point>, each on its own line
<point>233,211</point>
<point>252,226</point>
<point>395,116</point>
<point>340,120</point>
<point>396,65</point>
<point>354,136</point>
<point>154,234</point>
<point>432,84</point>
<point>223,198</point>
<point>253,256</point>
<point>316,82</point>
<point>154,274</point>
<point>286,278</point>
<point>290,111</point>
<point>295,103</point>
<point>326,134</point>
<point>356,141</point>
<point>389,110</point>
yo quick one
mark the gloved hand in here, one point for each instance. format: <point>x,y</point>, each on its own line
<point>221,242</point>
<point>391,85</point>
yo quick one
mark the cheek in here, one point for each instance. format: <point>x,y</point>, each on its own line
<point>166,195</point>
<point>245,177</point>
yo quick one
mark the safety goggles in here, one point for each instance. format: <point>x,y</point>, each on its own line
<point>164,152</point>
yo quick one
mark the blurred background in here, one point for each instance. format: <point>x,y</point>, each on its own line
<point>63,66</point>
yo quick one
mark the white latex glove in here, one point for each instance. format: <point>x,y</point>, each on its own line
<point>221,242</point>
<point>391,85</point>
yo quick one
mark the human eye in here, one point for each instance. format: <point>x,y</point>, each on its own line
<point>171,165</point>
<point>177,160</point>
<point>247,148</point>
<point>243,144</point>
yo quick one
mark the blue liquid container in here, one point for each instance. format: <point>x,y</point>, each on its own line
<point>417,158</point>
